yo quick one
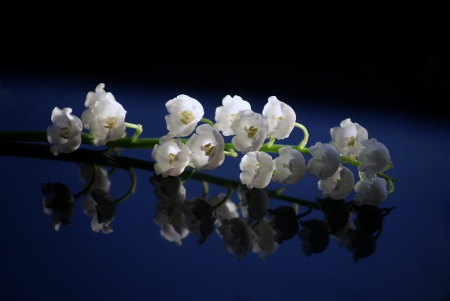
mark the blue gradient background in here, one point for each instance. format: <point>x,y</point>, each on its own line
<point>134,262</point>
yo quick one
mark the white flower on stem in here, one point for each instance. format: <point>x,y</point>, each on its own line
<point>171,156</point>
<point>257,168</point>
<point>65,133</point>
<point>280,117</point>
<point>184,114</point>
<point>325,161</point>
<point>347,138</point>
<point>339,185</point>
<point>206,147</point>
<point>374,157</point>
<point>104,116</point>
<point>250,129</point>
<point>370,193</point>
<point>227,113</point>
<point>290,166</point>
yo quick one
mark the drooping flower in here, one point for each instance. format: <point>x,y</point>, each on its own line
<point>339,185</point>
<point>227,113</point>
<point>250,129</point>
<point>206,146</point>
<point>280,117</point>
<point>283,222</point>
<point>374,157</point>
<point>263,242</point>
<point>102,208</point>
<point>290,166</point>
<point>237,237</point>
<point>254,203</point>
<point>205,213</point>
<point>314,236</point>
<point>347,138</point>
<point>104,116</point>
<point>336,213</point>
<point>167,229</point>
<point>171,156</point>
<point>65,133</point>
<point>325,161</point>
<point>370,193</point>
<point>184,114</point>
<point>257,168</point>
<point>58,202</point>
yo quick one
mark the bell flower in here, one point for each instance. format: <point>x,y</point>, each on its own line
<point>102,208</point>
<point>290,166</point>
<point>347,138</point>
<point>204,213</point>
<point>325,161</point>
<point>65,133</point>
<point>58,202</point>
<point>184,114</point>
<point>370,193</point>
<point>167,230</point>
<point>283,222</point>
<point>339,185</point>
<point>250,129</point>
<point>314,235</point>
<point>104,116</point>
<point>257,168</point>
<point>280,117</point>
<point>171,156</point>
<point>374,157</point>
<point>237,237</point>
<point>264,239</point>
<point>206,147</point>
<point>227,113</point>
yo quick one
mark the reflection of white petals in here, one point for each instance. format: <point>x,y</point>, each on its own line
<point>370,193</point>
<point>339,185</point>
<point>226,211</point>
<point>167,230</point>
<point>171,156</point>
<point>264,239</point>
<point>206,148</point>
<point>280,117</point>
<point>347,138</point>
<point>290,166</point>
<point>237,237</point>
<point>184,114</point>
<point>104,116</point>
<point>227,113</point>
<point>325,161</point>
<point>374,157</point>
<point>250,129</point>
<point>257,168</point>
<point>65,133</point>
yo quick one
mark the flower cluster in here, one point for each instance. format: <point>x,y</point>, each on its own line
<point>104,117</point>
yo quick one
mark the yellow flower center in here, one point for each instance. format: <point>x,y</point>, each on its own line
<point>351,141</point>
<point>110,122</point>
<point>64,131</point>
<point>170,156</point>
<point>207,148</point>
<point>251,131</point>
<point>186,116</point>
<point>233,117</point>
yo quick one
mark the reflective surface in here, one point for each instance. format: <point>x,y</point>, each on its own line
<point>134,262</point>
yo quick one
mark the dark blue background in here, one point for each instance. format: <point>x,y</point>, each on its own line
<point>411,261</point>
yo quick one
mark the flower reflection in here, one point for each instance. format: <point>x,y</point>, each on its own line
<point>58,202</point>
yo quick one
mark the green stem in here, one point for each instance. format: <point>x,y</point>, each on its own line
<point>138,129</point>
<point>305,135</point>
<point>132,187</point>
<point>230,190</point>
<point>206,120</point>
<point>91,181</point>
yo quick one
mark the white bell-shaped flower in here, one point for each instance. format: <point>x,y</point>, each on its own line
<point>325,161</point>
<point>104,116</point>
<point>280,117</point>
<point>257,168</point>
<point>370,193</point>
<point>250,129</point>
<point>290,166</point>
<point>206,147</point>
<point>65,133</point>
<point>227,113</point>
<point>339,185</point>
<point>347,138</point>
<point>171,156</point>
<point>184,114</point>
<point>374,157</point>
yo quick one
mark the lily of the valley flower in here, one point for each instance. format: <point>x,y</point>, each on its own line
<point>227,113</point>
<point>370,193</point>
<point>257,168</point>
<point>171,156</point>
<point>325,161</point>
<point>264,239</point>
<point>290,166</point>
<point>237,237</point>
<point>104,116</point>
<point>280,117</point>
<point>65,133</point>
<point>250,129</point>
<point>184,114</point>
<point>58,202</point>
<point>227,210</point>
<point>206,148</point>
<point>167,229</point>
<point>102,208</point>
<point>374,157</point>
<point>347,138</point>
<point>339,185</point>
